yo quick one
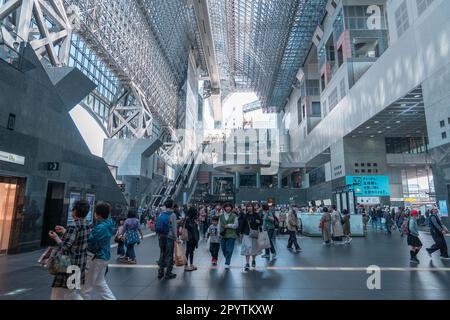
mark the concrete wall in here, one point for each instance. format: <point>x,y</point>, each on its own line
<point>45,132</point>
<point>418,55</point>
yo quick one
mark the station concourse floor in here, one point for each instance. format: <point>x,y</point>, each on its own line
<point>318,272</point>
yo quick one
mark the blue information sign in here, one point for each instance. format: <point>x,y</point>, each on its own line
<point>370,186</point>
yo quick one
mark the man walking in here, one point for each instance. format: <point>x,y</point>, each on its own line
<point>438,230</point>
<point>166,229</point>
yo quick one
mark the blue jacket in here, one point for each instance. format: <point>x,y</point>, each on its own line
<point>99,241</point>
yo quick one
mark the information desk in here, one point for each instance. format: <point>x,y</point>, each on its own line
<point>310,224</point>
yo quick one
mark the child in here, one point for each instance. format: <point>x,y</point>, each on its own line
<point>214,242</point>
<point>119,238</point>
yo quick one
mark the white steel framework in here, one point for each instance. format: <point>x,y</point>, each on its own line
<point>42,23</point>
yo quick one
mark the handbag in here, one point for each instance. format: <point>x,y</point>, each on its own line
<point>58,262</point>
<point>254,234</point>
<point>263,240</point>
<point>43,260</point>
<point>184,232</point>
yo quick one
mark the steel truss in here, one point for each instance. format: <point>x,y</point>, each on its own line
<point>261,44</point>
<point>42,23</point>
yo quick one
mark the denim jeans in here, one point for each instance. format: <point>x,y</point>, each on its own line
<point>227,249</point>
<point>130,252</point>
<point>214,249</point>
<point>166,247</point>
<point>271,233</point>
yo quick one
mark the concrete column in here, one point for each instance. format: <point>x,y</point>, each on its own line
<point>258,179</point>
<point>237,180</point>
<point>289,180</point>
<point>280,179</point>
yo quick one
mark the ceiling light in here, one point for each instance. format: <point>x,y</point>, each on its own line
<point>397,122</point>
<point>388,127</point>
<point>376,122</point>
<point>403,105</point>
<point>360,131</point>
<point>372,136</point>
<point>380,131</point>
<point>417,96</point>
<point>353,136</point>
<point>367,127</point>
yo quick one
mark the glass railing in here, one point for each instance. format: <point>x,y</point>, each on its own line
<point>11,47</point>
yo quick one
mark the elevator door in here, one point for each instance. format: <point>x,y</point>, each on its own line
<point>54,210</point>
<point>7,208</point>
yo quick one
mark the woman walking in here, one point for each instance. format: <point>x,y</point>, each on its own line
<point>132,229</point>
<point>346,226</point>
<point>413,237</point>
<point>325,225</point>
<point>228,227</point>
<point>336,224</point>
<point>250,228</point>
<point>292,226</point>
<point>193,237</point>
<point>269,225</point>
<point>72,243</point>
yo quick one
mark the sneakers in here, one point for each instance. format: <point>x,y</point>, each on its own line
<point>214,262</point>
<point>247,268</point>
<point>189,268</point>
<point>265,256</point>
<point>429,252</point>
<point>170,276</point>
<point>254,264</point>
<point>160,275</point>
<point>349,240</point>
<point>298,250</point>
<point>415,260</point>
<point>227,266</point>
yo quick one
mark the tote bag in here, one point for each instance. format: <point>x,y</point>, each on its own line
<point>179,257</point>
<point>263,240</point>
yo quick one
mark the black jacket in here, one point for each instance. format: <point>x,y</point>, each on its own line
<point>192,228</point>
<point>249,220</point>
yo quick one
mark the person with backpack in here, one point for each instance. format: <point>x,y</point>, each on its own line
<point>228,225</point>
<point>193,238</point>
<point>99,253</point>
<point>269,225</point>
<point>72,243</point>
<point>412,232</point>
<point>166,229</point>
<point>133,236</point>
<point>438,231</point>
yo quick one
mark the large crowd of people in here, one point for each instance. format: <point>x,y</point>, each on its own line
<point>256,226</point>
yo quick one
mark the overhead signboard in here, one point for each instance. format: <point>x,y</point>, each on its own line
<point>12,158</point>
<point>369,186</point>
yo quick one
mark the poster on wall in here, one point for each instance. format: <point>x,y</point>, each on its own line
<point>369,186</point>
<point>443,209</point>
<point>91,199</point>
<point>74,197</point>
